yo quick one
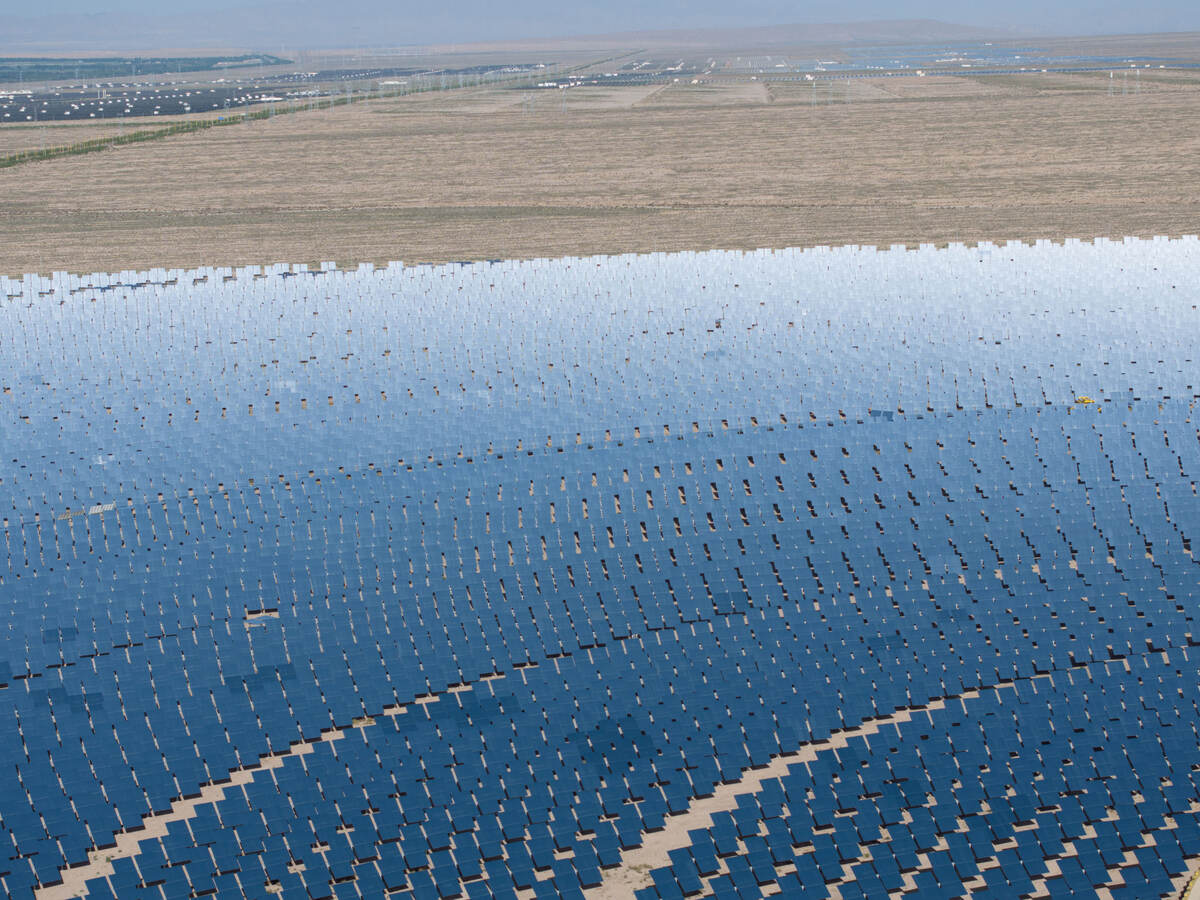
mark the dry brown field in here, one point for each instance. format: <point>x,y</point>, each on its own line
<point>15,138</point>
<point>485,173</point>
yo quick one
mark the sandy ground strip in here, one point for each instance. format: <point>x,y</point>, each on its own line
<point>636,865</point>
<point>1191,889</point>
<point>128,843</point>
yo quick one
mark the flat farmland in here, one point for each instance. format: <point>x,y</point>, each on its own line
<point>16,138</point>
<point>491,173</point>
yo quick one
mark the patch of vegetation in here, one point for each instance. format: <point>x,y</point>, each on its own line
<point>133,137</point>
<point>193,125</point>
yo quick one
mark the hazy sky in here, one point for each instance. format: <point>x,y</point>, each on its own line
<point>482,19</point>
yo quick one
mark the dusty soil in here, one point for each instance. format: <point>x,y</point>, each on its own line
<point>15,138</point>
<point>480,174</point>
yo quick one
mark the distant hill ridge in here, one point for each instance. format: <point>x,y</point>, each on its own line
<point>889,31</point>
<point>365,23</point>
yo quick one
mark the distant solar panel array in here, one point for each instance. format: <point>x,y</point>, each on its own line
<point>509,579</point>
